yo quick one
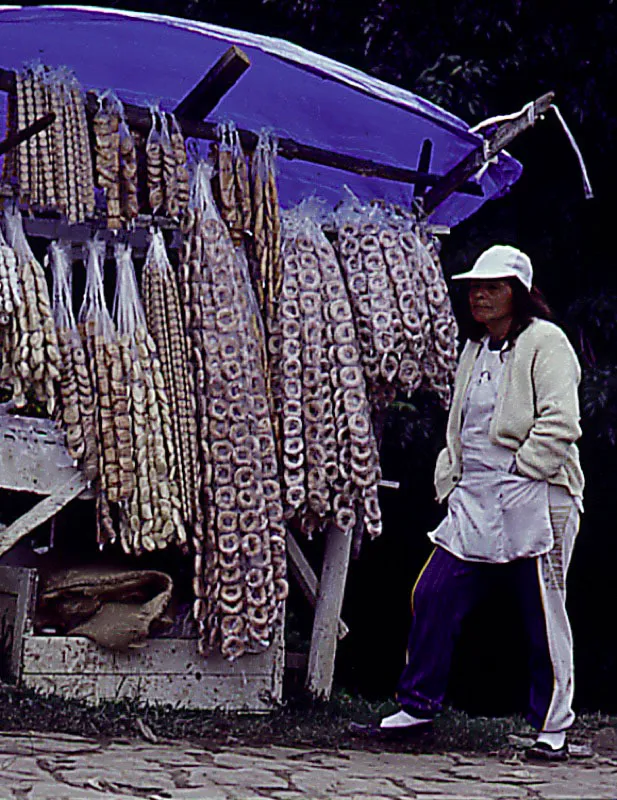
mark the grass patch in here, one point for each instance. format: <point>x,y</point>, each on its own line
<point>297,722</point>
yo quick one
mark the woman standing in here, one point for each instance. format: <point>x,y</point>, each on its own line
<point>511,474</point>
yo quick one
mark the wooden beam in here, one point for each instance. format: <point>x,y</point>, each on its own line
<point>21,136</point>
<point>504,134</point>
<point>140,119</point>
<point>41,512</point>
<point>208,93</point>
<point>424,164</point>
<point>322,652</point>
<point>306,578</point>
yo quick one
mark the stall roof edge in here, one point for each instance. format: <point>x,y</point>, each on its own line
<point>292,53</point>
<point>396,142</point>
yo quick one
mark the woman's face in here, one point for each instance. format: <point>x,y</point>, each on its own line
<point>491,302</point>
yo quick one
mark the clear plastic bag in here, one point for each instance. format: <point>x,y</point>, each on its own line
<point>31,355</point>
<point>75,388</point>
<point>149,518</point>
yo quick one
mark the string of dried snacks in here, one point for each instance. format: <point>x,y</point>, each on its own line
<point>240,576</point>
<point>166,166</point>
<point>170,186</point>
<point>150,517</point>
<point>190,289</point>
<point>164,320</point>
<point>83,153</point>
<point>223,184</point>
<point>256,367</point>
<point>182,177</point>
<point>111,396</point>
<point>154,162</point>
<point>266,256</point>
<point>231,183</point>
<point>106,126</point>
<point>440,362</point>
<point>54,167</point>
<point>129,204</point>
<point>30,355</point>
<point>242,186</point>
<point>76,395</point>
<point>10,289</point>
<point>330,456</point>
<point>400,300</point>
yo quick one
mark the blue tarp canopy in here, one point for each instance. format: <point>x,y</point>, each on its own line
<point>148,58</point>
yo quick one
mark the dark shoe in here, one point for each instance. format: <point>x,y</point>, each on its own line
<point>374,731</point>
<point>541,751</point>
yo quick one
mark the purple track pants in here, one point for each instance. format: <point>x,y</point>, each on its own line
<point>446,591</point>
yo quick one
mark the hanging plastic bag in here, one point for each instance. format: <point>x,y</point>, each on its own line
<point>129,204</point>
<point>31,355</point>
<point>75,386</point>
<point>154,163</point>
<point>149,518</point>
<point>164,320</point>
<point>180,154</point>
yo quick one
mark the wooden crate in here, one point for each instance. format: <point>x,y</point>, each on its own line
<point>162,671</point>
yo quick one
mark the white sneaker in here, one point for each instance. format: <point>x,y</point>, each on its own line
<point>402,720</point>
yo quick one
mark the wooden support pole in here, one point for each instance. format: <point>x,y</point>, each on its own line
<point>17,138</point>
<point>424,164</point>
<point>322,653</point>
<point>208,93</point>
<point>306,578</point>
<point>504,134</point>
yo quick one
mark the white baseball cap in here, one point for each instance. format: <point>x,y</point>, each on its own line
<point>500,261</point>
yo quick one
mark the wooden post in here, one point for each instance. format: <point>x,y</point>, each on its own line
<point>203,99</point>
<point>17,603</point>
<point>505,133</point>
<point>424,164</point>
<point>327,612</point>
<point>306,578</point>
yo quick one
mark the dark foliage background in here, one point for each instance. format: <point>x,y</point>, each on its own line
<point>478,58</point>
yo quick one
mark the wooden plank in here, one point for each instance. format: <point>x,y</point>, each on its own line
<point>236,693</point>
<point>33,455</point>
<point>23,135</point>
<point>163,671</point>
<point>77,654</point>
<point>41,512</point>
<point>17,594</point>
<point>207,94</point>
<point>306,578</point>
<point>322,652</point>
<point>504,134</point>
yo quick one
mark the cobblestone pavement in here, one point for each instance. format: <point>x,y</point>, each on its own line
<point>36,766</point>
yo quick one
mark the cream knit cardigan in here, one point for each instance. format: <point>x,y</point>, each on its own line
<point>536,415</point>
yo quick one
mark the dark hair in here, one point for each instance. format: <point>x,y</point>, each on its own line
<point>527,305</point>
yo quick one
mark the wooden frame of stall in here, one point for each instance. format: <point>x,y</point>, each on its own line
<point>168,669</point>
<point>430,190</point>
